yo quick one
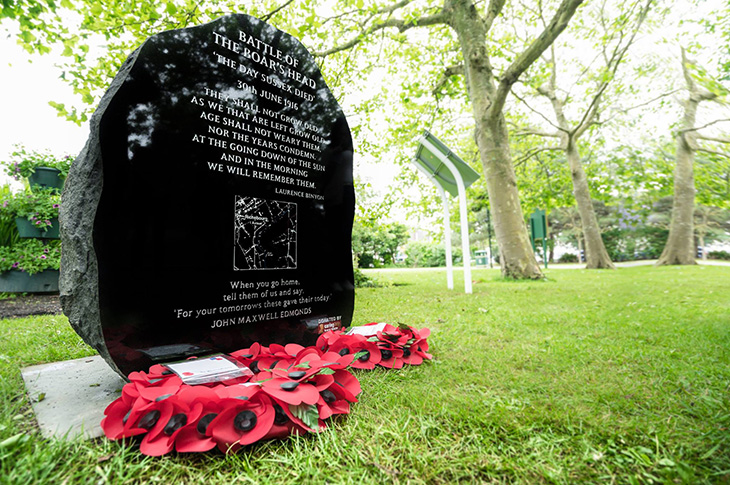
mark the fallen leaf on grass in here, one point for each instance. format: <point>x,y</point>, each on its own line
<point>390,471</point>
<point>13,441</point>
<point>104,458</point>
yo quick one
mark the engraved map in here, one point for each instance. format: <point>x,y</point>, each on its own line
<point>265,235</point>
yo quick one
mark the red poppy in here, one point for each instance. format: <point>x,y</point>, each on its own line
<point>333,360</point>
<point>242,422</point>
<point>170,424</point>
<point>295,389</point>
<point>278,358</point>
<point>345,344</point>
<point>417,352</point>
<point>161,420</point>
<point>325,340</point>
<point>283,425</point>
<point>367,357</point>
<point>395,336</point>
<point>298,374</point>
<point>170,387</point>
<point>114,423</point>
<point>390,356</point>
<point>195,437</point>
<point>332,401</point>
<point>314,424</point>
<point>347,384</point>
<point>290,391</point>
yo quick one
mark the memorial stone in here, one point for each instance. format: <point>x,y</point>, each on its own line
<point>212,205</point>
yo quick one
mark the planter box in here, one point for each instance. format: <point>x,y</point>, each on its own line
<point>28,229</point>
<point>21,282</point>
<point>46,177</point>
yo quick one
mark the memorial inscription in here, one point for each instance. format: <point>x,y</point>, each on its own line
<point>225,211</point>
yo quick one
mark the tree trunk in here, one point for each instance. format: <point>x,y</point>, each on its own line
<point>596,255</point>
<point>516,256</point>
<point>702,245</point>
<point>680,248</point>
<point>680,244</point>
<point>551,245</point>
<point>580,250</point>
<point>504,200</point>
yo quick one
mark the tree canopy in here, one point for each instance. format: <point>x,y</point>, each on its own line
<point>530,93</point>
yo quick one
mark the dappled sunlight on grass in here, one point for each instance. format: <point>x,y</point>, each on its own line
<point>589,376</point>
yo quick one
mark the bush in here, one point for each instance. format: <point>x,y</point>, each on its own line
<point>363,281</point>
<point>31,256</point>
<point>724,255</point>
<point>568,258</point>
<point>22,164</point>
<point>8,229</point>
<point>654,238</point>
<point>40,207</point>
<point>428,255</point>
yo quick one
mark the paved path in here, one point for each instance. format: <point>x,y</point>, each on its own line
<point>625,264</point>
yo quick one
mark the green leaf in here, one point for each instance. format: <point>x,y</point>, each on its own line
<point>362,353</point>
<point>13,441</point>
<point>307,413</point>
<point>326,371</point>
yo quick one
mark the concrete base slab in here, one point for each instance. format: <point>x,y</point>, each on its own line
<point>74,395</point>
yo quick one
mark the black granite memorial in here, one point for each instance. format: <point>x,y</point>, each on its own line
<point>212,206</point>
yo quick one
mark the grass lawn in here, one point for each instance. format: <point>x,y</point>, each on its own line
<point>592,376</point>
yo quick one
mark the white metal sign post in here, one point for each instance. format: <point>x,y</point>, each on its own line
<point>447,228</point>
<point>431,158</point>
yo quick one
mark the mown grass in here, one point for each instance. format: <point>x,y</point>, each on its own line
<point>620,376</point>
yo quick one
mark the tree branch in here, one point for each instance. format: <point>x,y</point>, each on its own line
<point>523,101</point>
<point>709,138</point>
<point>637,106</point>
<point>534,152</point>
<point>448,73</point>
<point>714,152</point>
<point>266,17</point>
<point>493,10</point>
<point>695,94</point>
<point>562,16</point>
<point>704,126</point>
<point>532,132</point>
<point>400,24</point>
<point>612,65</point>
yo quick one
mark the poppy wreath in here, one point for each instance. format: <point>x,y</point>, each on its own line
<point>385,345</point>
<point>292,390</point>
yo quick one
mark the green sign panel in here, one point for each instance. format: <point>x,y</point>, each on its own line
<point>538,230</point>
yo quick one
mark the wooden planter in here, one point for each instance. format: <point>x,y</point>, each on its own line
<point>21,282</point>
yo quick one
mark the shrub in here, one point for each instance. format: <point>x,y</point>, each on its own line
<point>428,255</point>
<point>362,280</point>
<point>39,206</point>
<point>23,164</point>
<point>719,255</point>
<point>568,258</point>
<point>31,256</point>
<point>8,230</point>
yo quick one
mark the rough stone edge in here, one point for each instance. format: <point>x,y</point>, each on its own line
<point>79,277</point>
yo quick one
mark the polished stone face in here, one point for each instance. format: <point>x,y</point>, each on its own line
<point>227,202</point>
